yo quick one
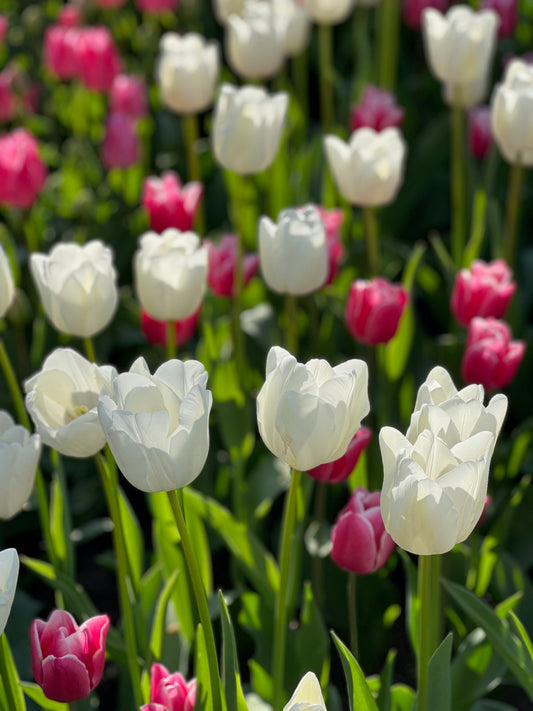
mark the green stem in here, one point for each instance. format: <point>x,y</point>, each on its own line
<point>110,486</point>
<point>325,77</point>
<point>428,624</point>
<point>191,135</point>
<point>171,340</point>
<point>512,212</point>
<point>291,324</point>
<point>352,613</point>
<point>458,187</point>
<point>321,493</point>
<point>89,349</point>
<point>201,599</point>
<point>280,614</point>
<point>14,695</point>
<point>372,239</point>
<point>389,24</point>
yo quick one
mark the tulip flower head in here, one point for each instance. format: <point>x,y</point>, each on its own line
<point>169,203</point>
<point>360,543</point>
<point>368,170</point>
<point>377,109</point>
<point>512,113</point>
<point>328,12</point>
<point>60,51</point>
<point>479,131</point>
<point>98,60</point>
<point>157,426</point>
<point>293,253</point>
<point>19,457</point>
<point>9,572</point>
<point>339,470</point>
<point>483,290</point>
<point>307,696</point>
<point>170,692</point>
<point>223,9</point>
<point>121,147</point>
<point>308,414</point>
<point>68,660</point>
<point>156,331</point>
<point>332,221</point>
<point>374,309</point>
<point>295,26</point>
<point>491,357</point>
<point>222,265</point>
<point>7,285</point>
<point>77,285</point>
<point>435,477</point>
<point>22,172</point>
<point>4,25</point>
<point>128,96</point>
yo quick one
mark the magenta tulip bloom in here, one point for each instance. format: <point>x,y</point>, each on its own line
<point>98,58</point>
<point>377,109</point>
<point>169,203</point>
<point>507,12</point>
<point>222,264</point>
<point>128,96</point>
<point>121,147</point>
<point>374,309</point>
<point>68,660</point>
<point>22,172</point>
<point>491,358</point>
<point>170,692</point>
<point>483,290</point>
<point>479,131</point>
<point>340,469</point>
<point>412,10</point>
<point>332,220</point>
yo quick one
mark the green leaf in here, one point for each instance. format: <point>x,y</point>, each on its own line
<point>475,670</point>
<point>359,694</point>
<point>59,531</point>
<point>198,536</point>
<point>158,625</point>
<point>35,693</point>
<point>412,612</point>
<point>384,696</point>
<point>12,682</point>
<point>398,348</point>
<point>230,665</point>
<point>311,641</point>
<point>204,698</point>
<point>133,539</point>
<point>439,680</point>
<point>487,562</point>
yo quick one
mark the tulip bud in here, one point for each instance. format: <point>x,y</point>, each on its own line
<point>328,12</point>
<point>9,572</point>
<point>224,8</point>
<point>68,660</point>
<point>293,252</point>
<point>479,131</point>
<point>121,147</point>
<point>169,204</point>
<point>490,357</point>
<point>512,112</point>
<point>69,15</point>
<point>254,42</point>
<point>170,274</point>
<point>156,331</point>
<point>377,109</point>
<point>187,72</point>
<point>60,51</point>
<point>483,290</point>
<point>374,309</point>
<point>307,695</point>
<point>368,170</point>
<point>7,285</point>
<point>339,470</point>
<point>22,173</point>
<point>247,128</point>
<point>170,692</point>
<point>507,12</point>
<point>222,265</point>
<point>98,58</point>
<point>308,414</point>
<point>128,96</point>
<point>412,10</point>
<point>19,457</point>
<point>156,6</point>
<point>295,24</point>
<point>360,543</point>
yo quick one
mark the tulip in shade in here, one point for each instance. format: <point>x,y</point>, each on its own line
<point>377,109</point>
<point>328,12</point>
<point>374,309</point>
<point>170,692</point>
<point>22,172</point>
<point>435,477</point>
<point>98,58</point>
<point>412,10</point>
<point>307,695</point>
<point>121,147</point>
<point>157,426</point>
<point>128,96</point>
<point>247,128</point>
<point>308,414</point>
<point>483,290</point>
<point>491,358</point>
<point>360,543</point>
<point>19,457</point>
<point>479,131</point>
<point>9,571</point>
<point>169,203</point>
<point>512,113</point>
<point>507,12</point>
<point>332,221</point>
<point>293,252</point>
<point>222,265</point>
<point>339,470</point>
<point>156,331</point>
<point>7,285</point>
<point>77,285</point>
<point>68,660</point>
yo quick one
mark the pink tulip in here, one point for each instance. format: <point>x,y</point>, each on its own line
<point>60,51</point>
<point>69,15</point>
<point>170,692</point>
<point>22,173</point>
<point>67,660</point>
<point>222,264</point>
<point>121,147</point>
<point>4,25</point>
<point>491,358</point>
<point>412,10</point>
<point>156,331</point>
<point>360,543</point>
<point>483,290</point>
<point>507,12</point>
<point>479,131</point>
<point>339,470</point>
<point>155,6</point>
<point>98,58</point>
<point>169,204</point>
<point>374,310</point>
<point>332,220</point>
<point>128,96</point>
<point>377,109</point>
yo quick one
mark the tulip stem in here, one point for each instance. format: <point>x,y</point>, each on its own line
<point>458,186</point>
<point>171,340</point>
<point>325,76</point>
<point>428,624</point>
<point>372,239</point>
<point>352,613</point>
<point>191,135</point>
<point>201,599</point>
<point>291,323</point>
<point>14,695</point>
<point>89,349</point>
<point>280,614</point>
<point>119,542</point>
<point>512,212</point>
<point>389,27</point>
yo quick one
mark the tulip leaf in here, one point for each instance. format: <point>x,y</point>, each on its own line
<point>36,694</point>
<point>59,524</point>
<point>398,349</point>
<point>158,624</point>
<point>384,696</point>
<point>359,695</point>
<point>10,686</point>
<point>502,635</point>
<point>412,612</point>
<point>204,697</point>
<point>230,664</point>
<point>310,642</point>
<point>476,669</point>
<point>133,539</point>
<point>439,680</point>
<point>198,537</point>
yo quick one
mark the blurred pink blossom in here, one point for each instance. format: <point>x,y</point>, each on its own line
<point>22,172</point>
<point>128,96</point>
<point>374,309</point>
<point>491,358</point>
<point>507,12</point>
<point>222,264</point>
<point>155,6</point>
<point>377,109</point>
<point>169,203</point>
<point>98,58</point>
<point>479,131</point>
<point>412,10</point>
<point>121,147</point>
<point>156,331</point>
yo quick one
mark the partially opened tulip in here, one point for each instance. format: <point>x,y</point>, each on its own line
<point>376,109</point>
<point>121,147</point>
<point>68,660</point>
<point>295,25</point>
<point>374,309</point>
<point>307,696</point>
<point>491,358</point>
<point>512,113</point>
<point>308,414</point>
<point>22,172</point>
<point>483,290</point>
<point>170,692</point>
<point>156,331</point>
<point>7,285</point>
<point>98,59</point>
<point>19,457</point>
<point>9,571</point>
<point>223,263</point>
<point>169,203</point>
<point>128,96</point>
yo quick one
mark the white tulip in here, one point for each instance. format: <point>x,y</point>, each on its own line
<point>459,48</point>
<point>247,128</point>
<point>19,457</point>
<point>435,477</point>
<point>62,398</point>
<point>254,41</point>
<point>7,286</point>
<point>225,8</point>
<point>170,274</point>
<point>307,695</point>
<point>307,414</point>
<point>512,113</point>
<point>296,26</point>
<point>329,12</point>
<point>157,426</point>
<point>187,72</point>
<point>368,170</point>
<point>9,572</point>
<point>78,286</point>
<point>293,253</point>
